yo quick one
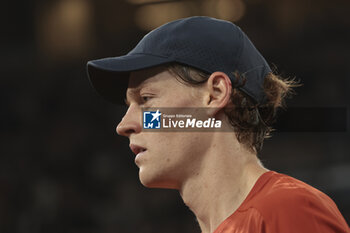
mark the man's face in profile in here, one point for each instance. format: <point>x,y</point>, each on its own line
<point>165,159</point>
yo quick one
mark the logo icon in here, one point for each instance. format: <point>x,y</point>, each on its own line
<point>151,119</point>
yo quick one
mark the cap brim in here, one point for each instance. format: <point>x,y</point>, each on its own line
<point>110,76</point>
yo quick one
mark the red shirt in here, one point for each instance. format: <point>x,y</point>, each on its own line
<point>281,204</point>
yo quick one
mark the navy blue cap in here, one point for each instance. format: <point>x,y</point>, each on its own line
<point>201,42</point>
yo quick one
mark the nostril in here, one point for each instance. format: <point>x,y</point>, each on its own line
<point>129,132</point>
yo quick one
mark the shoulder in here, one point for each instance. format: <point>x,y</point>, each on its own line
<point>288,203</point>
<point>283,190</point>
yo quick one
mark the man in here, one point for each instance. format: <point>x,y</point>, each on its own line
<point>206,64</point>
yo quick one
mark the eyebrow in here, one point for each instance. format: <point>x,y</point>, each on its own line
<point>134,92</point>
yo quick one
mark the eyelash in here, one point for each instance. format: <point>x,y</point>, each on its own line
<point>145,98</point>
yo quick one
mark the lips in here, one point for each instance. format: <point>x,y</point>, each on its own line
<point>137,149</point>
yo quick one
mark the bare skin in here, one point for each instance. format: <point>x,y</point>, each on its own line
<point>212,171</point>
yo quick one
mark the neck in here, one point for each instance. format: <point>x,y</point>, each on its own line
<point>226,177</point>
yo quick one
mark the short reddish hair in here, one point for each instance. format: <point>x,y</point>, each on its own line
<point>252,123</point>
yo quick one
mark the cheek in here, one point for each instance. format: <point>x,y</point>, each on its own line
<point>188,100</point>
<point>173,158</point>
<point>187,97</point>
<point>179,150</point>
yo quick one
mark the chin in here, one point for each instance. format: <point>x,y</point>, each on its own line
<point>157,182</point>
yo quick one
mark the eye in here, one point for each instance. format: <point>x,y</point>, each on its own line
<point>145,98</point>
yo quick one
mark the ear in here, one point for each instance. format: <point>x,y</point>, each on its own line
<point>218,92</point>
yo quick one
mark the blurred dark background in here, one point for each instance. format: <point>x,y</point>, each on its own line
<point>62,166</point>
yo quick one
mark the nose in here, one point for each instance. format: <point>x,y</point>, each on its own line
<point>131,122</point>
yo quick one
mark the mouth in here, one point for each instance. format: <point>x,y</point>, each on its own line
<point>137,149</point>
